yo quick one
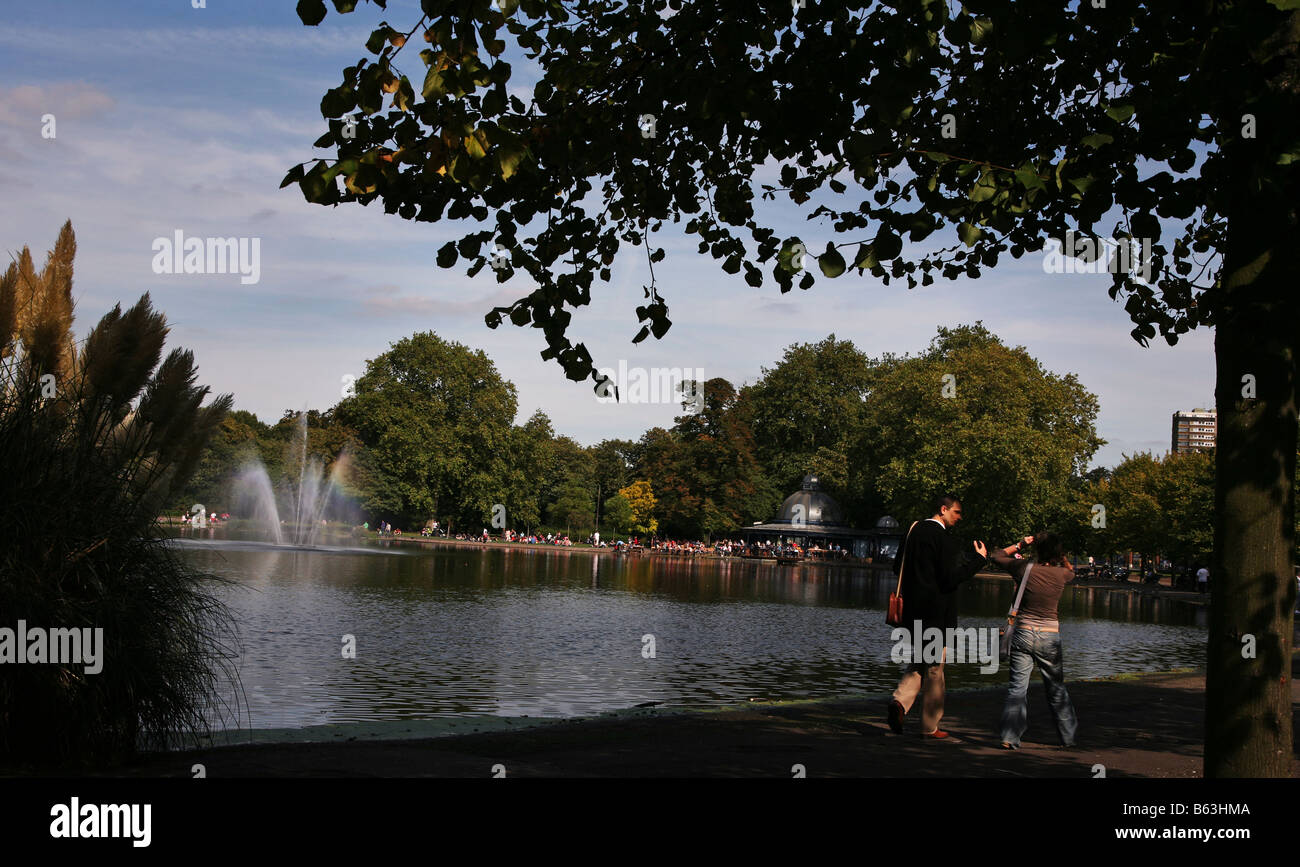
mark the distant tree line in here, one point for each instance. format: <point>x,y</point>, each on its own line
<point>431,433</point>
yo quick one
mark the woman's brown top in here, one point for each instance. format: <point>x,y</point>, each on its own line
<point>1046,583</point>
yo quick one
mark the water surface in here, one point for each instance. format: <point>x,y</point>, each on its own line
<point>443,632</point>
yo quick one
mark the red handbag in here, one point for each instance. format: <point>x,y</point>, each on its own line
<point>894,616</point>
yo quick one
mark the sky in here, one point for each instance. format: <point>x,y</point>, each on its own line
<point>169,118</point>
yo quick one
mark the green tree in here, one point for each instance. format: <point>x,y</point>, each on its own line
<point>1134,510</point>
<point>436,418</point>
<point>1176,125</point>
<point>807,411</point>
<point>1186,493</point>
<point>611,462</point>
<point>618,514</point>
<point>531,462</point>
<point>1156,506</point>
<point>573,509</point>
<point>973,416</point>
<point>231,444</point>
<point>571,466</point>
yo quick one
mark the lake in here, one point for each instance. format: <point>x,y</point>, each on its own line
<point>445,632</point>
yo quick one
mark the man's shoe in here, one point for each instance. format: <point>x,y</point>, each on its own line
<point>896,714</point>
<point>934,734</point>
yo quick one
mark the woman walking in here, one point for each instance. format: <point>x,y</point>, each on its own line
<point>1037,637</point>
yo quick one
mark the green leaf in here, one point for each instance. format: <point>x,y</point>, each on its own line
<point>338,101</point>
<point>313,183</point>
<point>887,245</point>
<point>364,180</point>
<point>791,256</point>
<point>311,12</point>
<point>1028,177</point>
<point>969,233</point>
<point>1082,184</point>
<point>508,7</point>
<point>1286,5</point>
<point>434,85</point>
<point>1096,140</point>
<point>980,28</point>
<point>375,43</point>
<point>294,176</point>
<point>985,189</point>
<point>344,6</point>
<point>831,262</point>
<point>1119,113</point>
<point>404,98</point>
<point>866,257</point>
<point>509,158</point>
<point>1060,168</point>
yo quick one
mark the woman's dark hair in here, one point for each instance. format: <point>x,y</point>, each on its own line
<point>1048,548</point>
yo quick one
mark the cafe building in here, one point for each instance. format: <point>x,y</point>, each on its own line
<point>812,518</point>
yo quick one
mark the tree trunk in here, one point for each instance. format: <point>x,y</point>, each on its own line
<point>1248,700</point>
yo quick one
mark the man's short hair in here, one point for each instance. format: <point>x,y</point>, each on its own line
<point>942,500</point>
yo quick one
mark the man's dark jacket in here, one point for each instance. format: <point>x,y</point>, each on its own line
<point>936,563</point>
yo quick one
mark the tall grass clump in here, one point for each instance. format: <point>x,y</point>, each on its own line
<point>93,440</point>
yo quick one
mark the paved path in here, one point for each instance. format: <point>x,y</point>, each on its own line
<point>1136,726</point>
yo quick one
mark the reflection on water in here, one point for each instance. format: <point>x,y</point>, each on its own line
<point>443,632</point>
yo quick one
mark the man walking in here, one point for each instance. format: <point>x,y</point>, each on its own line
<point>934,564</point>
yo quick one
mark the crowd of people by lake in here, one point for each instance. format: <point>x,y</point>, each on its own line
<point>654,544</point>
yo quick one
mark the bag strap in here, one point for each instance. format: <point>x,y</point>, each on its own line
<point>1015,606</point>
<point>902,565</point>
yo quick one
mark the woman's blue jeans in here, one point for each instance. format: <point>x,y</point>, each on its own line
<point>1029,646</point>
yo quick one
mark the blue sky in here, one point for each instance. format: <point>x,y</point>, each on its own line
<point>174,118</point>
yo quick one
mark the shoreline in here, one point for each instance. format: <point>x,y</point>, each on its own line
<point>1135,725</point>
<point>1159,590</point>
<point>372,539</point>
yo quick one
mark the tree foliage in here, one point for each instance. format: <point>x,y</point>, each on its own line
<point>618,514</point>
<point>926,121</point>
<point>436,418</point>
<point>984,420</point>
<point>641,500</point>
<point>807,415</point>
